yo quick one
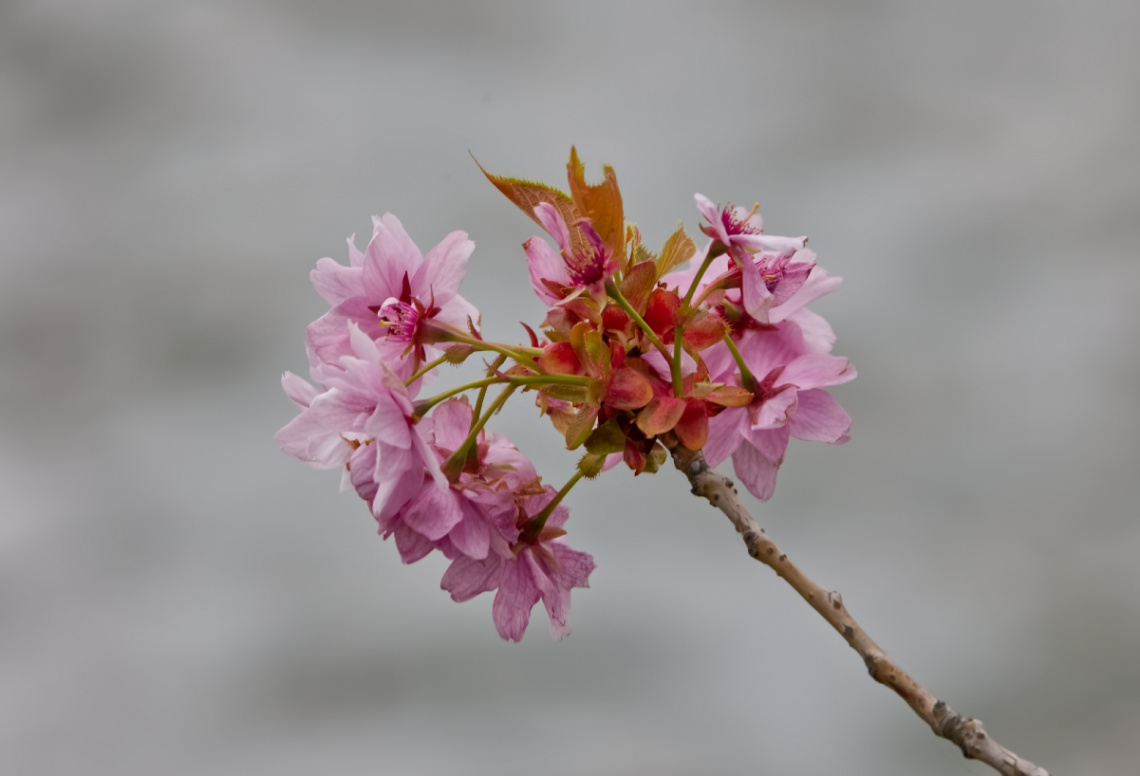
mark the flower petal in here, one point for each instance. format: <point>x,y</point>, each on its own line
<point>820,418</point>
<point>516,597</point>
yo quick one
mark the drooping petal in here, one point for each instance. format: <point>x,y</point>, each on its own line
<point>471,535</point>
<point>516,597</point>
<point>820,418</point>
<point>724,434</point>
<point>467,577</point>
<point>756,471</point>
<point>412,546</point>
<point>433,511</point>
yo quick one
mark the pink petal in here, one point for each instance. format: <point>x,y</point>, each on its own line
<point>819,283</point>
<point>817,332</point>
<point>451,422</point>
<point>708,209</point>
<point>516,597</point>
<point>820,418</point>
<point>411,545</point>
<point>459,313</point>
<point>466,577</point>
<point>554,225</point>
<point>757,298</point>
<point>390,255</point>
<point>775,410</point>
<point>443,269</point>
<point>298,389</point>
<point>433,511</point>
<point>544,264</point>
<point>471,535</point>
<point>555,598</point>
<point>816,370</point>
<point>756,470</point>
<point>574,566</point>
<point>336,282</point>
<point>724,434</point>
<point>770,443</point>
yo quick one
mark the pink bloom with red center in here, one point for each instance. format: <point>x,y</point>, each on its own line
<point>770,289</point>
<point>739,230</point>
<point>773,270</point>
<point>363,418</point>
<point>556,277</point>
<point>789,400</point>
<point>540,568</point>
<point>394,294</point>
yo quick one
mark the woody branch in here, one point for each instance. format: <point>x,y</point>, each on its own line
<point>969,734</point>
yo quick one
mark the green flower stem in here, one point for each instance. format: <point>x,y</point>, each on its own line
<point>614,293</point>
<point>716,250</point>
<point>425,369</point>
<point>534,526</point>
<point>483,391</point>
<point>424,406</point>
<point>454,464</point>
<point>746,376</point>
<point>520,353</point>
<point>675,364</point>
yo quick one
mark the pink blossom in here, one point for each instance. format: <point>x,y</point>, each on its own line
<point>557,277</point>
<point>477,513</point>
<point>769,277</point>
<point>789,400</point>
<point>364,418</point>
<point>393,293</point>
<point>541,567</point>
<point>767,288</point>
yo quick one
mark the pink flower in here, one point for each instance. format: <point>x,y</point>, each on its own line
<point>768,288</point>
<point>393,293</point>
<point>477,513</point>
<point>742,231</point>
<point>364,418</point>
<point>776,275</point>
<point>557,277</point>
<point>541,567</point>
<point>789,400</point>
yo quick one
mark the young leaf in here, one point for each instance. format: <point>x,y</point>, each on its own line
<point>600,203</point>
<point>527,194</point>
<point>678,249</point>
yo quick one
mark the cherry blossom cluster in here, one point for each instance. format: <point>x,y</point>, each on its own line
<point>713,348</point>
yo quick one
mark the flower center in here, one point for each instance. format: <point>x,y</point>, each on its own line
<point>736,221</point>
<point>399,319</point>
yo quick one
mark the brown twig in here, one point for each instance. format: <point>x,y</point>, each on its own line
<point>968,734</point>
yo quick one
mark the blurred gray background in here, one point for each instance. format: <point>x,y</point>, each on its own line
<point>178,597</point>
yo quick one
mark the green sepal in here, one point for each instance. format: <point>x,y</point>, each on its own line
<point>606,438</point>
<point>580,427</point>
<point>591,465</point>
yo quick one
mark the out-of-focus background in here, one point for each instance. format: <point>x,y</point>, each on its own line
<point>178,597</point>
